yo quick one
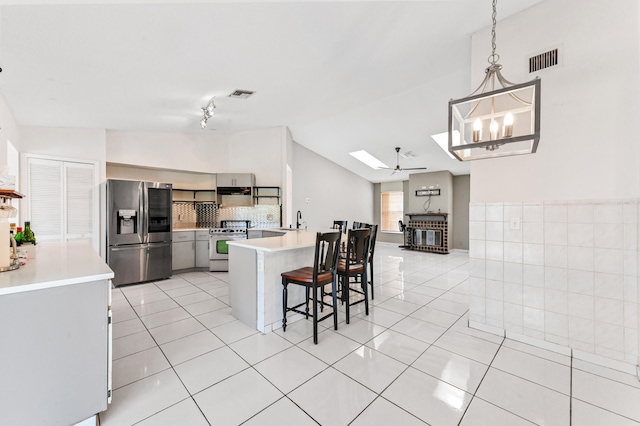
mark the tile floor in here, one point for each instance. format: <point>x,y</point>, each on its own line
<point>180,357</point>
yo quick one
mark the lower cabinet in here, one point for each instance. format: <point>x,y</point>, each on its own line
<point>55,362</point>
<point>184,255</point>
<point>190,250</point>
<point>202,249</point>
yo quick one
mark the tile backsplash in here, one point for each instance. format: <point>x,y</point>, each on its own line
<point>208,215</point>
<point>564,272</point>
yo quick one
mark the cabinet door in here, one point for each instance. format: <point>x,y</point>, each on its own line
<point>62,201</point>
<point>225,179</point>
<point>235,180</point>
<point>202,253</point>
<point>245,180</point>
<point>184,255</point>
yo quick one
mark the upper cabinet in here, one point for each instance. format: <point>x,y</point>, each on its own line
<point>235,180</point>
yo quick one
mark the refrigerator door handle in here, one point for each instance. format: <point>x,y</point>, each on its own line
<point>144,212</point>
<point>129,247</point>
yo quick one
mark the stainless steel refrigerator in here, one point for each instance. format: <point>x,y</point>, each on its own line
<point>138,230</point>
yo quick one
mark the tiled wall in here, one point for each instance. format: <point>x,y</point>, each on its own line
<point>567,274</point>
<point>261,216</point>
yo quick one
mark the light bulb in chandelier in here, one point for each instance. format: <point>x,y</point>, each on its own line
<point>507,128</point>
<point>477,130</point>
<point>203,123</point>
<point>493,130</point>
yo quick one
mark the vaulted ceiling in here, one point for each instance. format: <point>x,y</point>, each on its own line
<point>342,75</point>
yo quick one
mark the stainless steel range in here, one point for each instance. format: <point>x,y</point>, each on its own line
<point>218,249</point>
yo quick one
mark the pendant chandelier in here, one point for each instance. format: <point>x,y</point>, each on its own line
<point>499,119</point>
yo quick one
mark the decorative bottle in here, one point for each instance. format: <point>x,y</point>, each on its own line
<point>18,236</point>
<point>27,235</point>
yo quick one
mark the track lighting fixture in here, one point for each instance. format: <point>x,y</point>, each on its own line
<point>207,112</point>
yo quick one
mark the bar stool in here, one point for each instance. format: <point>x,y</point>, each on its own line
<point>354,265</point>
<point>372,248</point>
<point>341,225</point>
<point>314,278</point>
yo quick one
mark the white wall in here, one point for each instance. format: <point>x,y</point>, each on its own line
<point>198,152</point>
<point>590,103</point>
<point>8,132</point>
<point>460,217</point>
<point>260,152</point>
<point>335,193</point>
<point>84,144</point>
<point>437,180</point>
<point>568,274</point>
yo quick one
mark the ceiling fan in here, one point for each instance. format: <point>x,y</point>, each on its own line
<point>398,168</point>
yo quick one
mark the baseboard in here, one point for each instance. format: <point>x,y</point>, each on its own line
<point>488,328</point>
<point>543,344</point>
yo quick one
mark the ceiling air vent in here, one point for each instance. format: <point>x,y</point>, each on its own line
<point>241,94</point>
<point>543,60</point>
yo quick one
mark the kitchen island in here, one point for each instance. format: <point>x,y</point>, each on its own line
<point>55,334</point>
<point>255,285</point>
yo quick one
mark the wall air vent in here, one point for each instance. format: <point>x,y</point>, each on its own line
<point>241,94</point>
<point>544,60</point>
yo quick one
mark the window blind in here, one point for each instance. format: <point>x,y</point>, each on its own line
<point>392,210</point>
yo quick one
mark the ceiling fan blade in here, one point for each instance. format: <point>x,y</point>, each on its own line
<point>415,168</point>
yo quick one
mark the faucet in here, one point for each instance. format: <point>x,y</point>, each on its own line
<point>298,217</point>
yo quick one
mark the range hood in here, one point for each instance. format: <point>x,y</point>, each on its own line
<point>234,190</point>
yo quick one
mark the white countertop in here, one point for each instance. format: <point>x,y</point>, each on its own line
<point>291,240</point>
<point>190,229</point>
<point>56,264</point>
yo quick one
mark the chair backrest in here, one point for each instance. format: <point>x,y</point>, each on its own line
<point>358,246</point>
<point>327,253</point>
<point>341,225</point>
<point>401,226</point>
<point>357,225</point>
<point>374,234</point>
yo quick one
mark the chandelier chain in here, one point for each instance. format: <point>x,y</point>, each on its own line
<point>494,57</point>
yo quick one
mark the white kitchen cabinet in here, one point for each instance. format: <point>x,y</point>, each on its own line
<point>202,249</point>
<point>183,248</point>
<point>55,324</point>
<point>227,180</point>
<point>190,249</point>
<point>184,255</point>
<point>254,233</point>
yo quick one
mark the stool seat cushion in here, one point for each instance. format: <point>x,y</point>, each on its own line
<point>305,275</point>
<point>342,267</point>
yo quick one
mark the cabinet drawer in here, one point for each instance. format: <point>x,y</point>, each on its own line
<point>183,236</point>
<point>202,235</point>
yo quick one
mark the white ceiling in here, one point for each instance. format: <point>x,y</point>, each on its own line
<point>342,75</point>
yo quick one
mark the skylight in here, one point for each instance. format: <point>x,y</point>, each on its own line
<point>442,139</point>
<point>368,159</point>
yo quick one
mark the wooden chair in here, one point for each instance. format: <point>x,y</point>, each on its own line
<point>314,278</point>
<point>354,266</point>
<point>372,248</point>
<point>341,225</point>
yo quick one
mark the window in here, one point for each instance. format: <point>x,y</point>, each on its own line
<point>392,210</point>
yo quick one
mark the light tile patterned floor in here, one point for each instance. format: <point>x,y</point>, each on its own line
<point>181,358</point>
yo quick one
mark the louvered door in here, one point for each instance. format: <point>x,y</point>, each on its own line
<point>62,200</point>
